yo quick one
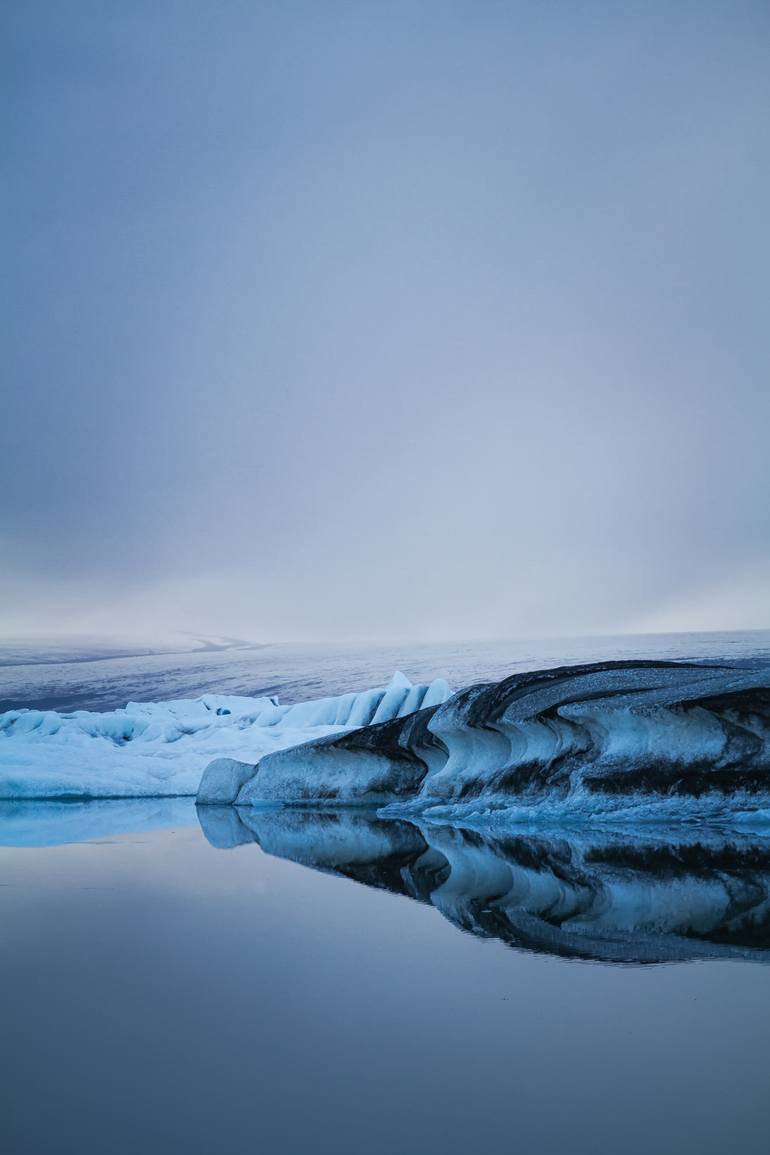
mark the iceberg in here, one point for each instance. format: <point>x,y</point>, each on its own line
<point>160,749</point>
<point>577,743</point>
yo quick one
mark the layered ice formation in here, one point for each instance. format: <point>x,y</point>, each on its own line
<point>622,899</point>
<point>156,749</point>
<point>611,740</point>
<point>648,739</point>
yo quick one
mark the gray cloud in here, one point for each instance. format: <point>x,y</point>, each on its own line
<point>369,320</point>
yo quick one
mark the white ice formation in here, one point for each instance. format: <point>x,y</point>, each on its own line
<point>155,749</point>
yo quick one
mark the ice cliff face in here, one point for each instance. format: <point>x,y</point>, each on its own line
<point>648,738</point>
<point>621,899</point>
<point>153,749</point>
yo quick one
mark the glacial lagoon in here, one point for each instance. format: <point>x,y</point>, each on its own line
<point>295,981</point>
<point>227,978</point>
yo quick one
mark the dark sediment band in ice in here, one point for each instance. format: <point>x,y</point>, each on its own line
<point>574,741</point>
<point>619,899</point>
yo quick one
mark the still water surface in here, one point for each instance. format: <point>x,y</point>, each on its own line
<point>161,994</point>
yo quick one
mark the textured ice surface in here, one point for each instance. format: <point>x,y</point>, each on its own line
<point>578,742</point>
<point>161,748</point>
<point>50,677</point>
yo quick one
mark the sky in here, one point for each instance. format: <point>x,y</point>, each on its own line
<point>370,320</point>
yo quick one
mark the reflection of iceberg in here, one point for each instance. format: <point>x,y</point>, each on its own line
<point>154,749</point>
<point>627,901</point>
<point>52,823</point>
<point>655,738</point>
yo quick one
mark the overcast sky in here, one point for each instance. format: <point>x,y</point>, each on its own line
<point>385,319</point>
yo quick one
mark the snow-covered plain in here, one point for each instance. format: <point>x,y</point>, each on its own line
<point>47,675</point>
<point>154,749</point>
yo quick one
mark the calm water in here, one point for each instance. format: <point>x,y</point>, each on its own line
<point>162,994</point>
<point>297,982</point>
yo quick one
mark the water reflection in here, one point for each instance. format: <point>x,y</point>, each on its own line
<point>621,898</point>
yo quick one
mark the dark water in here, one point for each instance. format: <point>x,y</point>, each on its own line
<point>161,994</point>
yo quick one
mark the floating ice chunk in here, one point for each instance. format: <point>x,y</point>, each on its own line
<point>223,780</point>
<point>586,741</point>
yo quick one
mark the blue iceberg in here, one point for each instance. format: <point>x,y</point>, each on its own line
<point>612,740</point>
